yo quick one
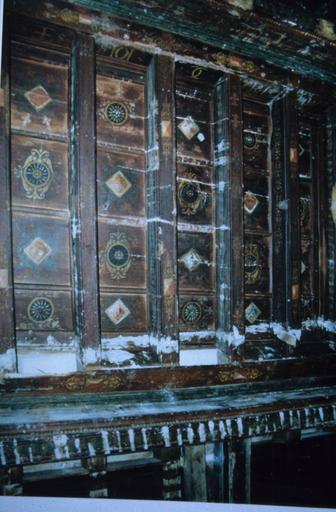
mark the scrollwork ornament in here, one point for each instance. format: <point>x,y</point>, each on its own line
<point>253,268</point>
<point>190,196</point>
<point>36,174</point>
<point>117,255</point>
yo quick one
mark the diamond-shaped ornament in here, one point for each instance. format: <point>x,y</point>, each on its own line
<point>117,312</point>
<point>189,127</point>
<point>118,184</point>
<point>38,97</point>
<point>252,312</point>
<point>250,202</point>
<point>191,259</point>
<point>37,250</point>
<point>303,267</point>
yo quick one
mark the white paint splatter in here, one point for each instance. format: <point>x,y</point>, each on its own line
<point>165,436</point>
<point>131,437</point>
<point>106,444</point>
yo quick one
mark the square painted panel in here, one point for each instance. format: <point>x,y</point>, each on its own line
<point>121,184</point>
<point>39,98</point>
<point>195,261</point>
<point>256,211</point>
<point>196,313</point>
<point>120,112</point>
<point>195,195</point>
<point>41,250</point>
<point>122,255</point>
<point>123,313</point>
<point>257,311</point>
<point>39,173</point>
<point>192,124</point>
<point>256,264</point>
<point>43,310</point>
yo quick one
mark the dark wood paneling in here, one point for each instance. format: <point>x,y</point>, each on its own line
<point>196,261</point>
<point>7,339</point>
<point>236,204</point>
<point>42,310</point>
<point>123,313</point>
<point>129,268</point>
<point>121,182</point>
<point>194,194</point>
<point>39,95</point>
<point>50,190</point>
<point>130,132</point>
<point>84,206</point>
<point>41,253</point>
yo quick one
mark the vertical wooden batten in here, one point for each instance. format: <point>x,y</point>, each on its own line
<point>161,166</point>
<point>84,203</point>
<point>280,206</point>
<point>331,214</point>
<point>8,361</point>
<point>236,206</point>
<point>293,225</point>
<point>223,217</point>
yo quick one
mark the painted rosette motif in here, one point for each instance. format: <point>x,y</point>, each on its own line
<point>190,196</point>
<point>116,113</point>
<point>36,174</point>
<point>118,256</point>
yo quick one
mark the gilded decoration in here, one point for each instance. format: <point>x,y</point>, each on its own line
<point>252,313</point>
<point>38,97</point>
<point>36,174</point>
<point>37,251</point>
<point>117,312</point>
<point>40,310</point>
<point>189,195</point>
<point>250,140</point>
<point>253,267</point>
<point>191,312</point>
<point>116,113</point>
<point>250,202</point>
<point>118,256</point>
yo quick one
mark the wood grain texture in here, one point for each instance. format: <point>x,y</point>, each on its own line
<point>7,340</point>
<point>84,206</point>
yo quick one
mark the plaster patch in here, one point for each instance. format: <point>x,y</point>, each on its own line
<point>198,357</point>
<point>36,362</point>
<point>246,5</point>
<point>8,360</point>
<point>234,338</point>
<point>325,28</point>
<point>320,322</point>
<point>90,356</point>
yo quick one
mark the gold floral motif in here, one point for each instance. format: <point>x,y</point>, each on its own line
<point>189,194</point>
<point>36,174</point>
<point>252,264</point>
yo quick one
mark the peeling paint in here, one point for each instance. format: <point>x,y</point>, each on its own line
<point>8,361</point>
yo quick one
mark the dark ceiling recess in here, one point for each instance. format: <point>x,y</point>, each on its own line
<point>303,14</point>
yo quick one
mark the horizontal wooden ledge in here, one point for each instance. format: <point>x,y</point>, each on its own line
<point>171,377</point>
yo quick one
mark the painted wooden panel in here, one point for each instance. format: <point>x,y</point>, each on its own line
<point>255,136</point>
<point>122,313</point>
<point>192,124</point>
<point>43,310</point>
<point>39,173</point>
<point>257,273</point>
<point>122,256</point>
<point>121,182</point>
<point>196,313</point>
<point>120,112</point>
<point>41,250</point>
<point>195,261</point>
<point>257,310</point>
<point>194,194</point>
<point>39,97</point>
